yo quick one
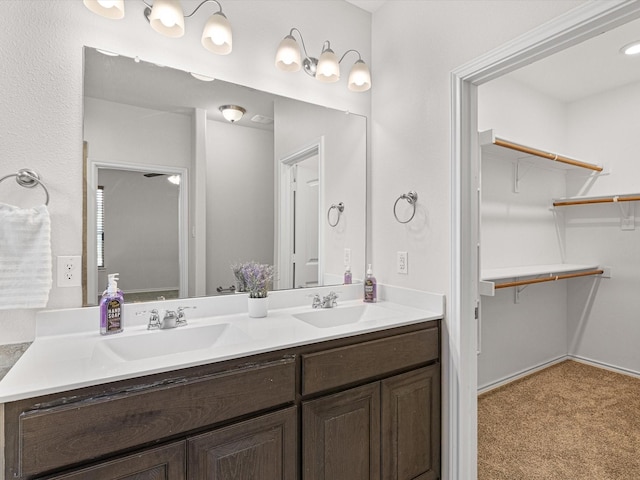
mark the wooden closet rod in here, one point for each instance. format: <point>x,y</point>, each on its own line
<point>548,279</point>
<point>547,155</point>
<point>628,198</point>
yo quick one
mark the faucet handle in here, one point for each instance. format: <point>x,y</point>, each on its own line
<point>154,318</point>
<point>182,318</point>
<point>317,303</point>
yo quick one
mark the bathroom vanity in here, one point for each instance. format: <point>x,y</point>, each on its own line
<point>357,398</point>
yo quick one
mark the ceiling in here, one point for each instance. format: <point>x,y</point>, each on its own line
<point>368,5</point>
<point>591,67</point>
<point>131,81</point>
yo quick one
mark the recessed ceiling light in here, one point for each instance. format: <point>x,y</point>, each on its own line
<point>631,48</point>
<point>107,52</point>
<point>201,77</point>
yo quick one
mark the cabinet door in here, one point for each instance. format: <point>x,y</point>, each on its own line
<point>341,435</point>
<point>411,425</point>
<point>256,449</point>
<point>162,463</point>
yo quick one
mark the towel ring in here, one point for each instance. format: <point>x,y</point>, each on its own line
<point>340,208</point>
<point>28,178</point>
<point>412,198</point>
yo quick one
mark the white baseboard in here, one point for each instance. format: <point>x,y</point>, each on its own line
<point>542,366</point>
<point>605,366</point>
<point>521,374</point>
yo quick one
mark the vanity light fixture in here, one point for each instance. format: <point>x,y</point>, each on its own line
<point>106,8</point>
<point>326,68</point>
<point>167,17</point>
<point>232,113</point>
<point>631,48</point>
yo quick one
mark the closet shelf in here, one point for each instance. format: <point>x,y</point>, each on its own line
<point>568,201</point>
<point>509,150</point>
<point>530,274</point>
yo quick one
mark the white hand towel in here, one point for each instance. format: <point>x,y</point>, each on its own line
<point>25,257</point>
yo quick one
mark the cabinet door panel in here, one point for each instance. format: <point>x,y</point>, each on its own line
<point>411,425</point>
<point>257,449</point>
<point>162,463</point>
<point>341,435</point>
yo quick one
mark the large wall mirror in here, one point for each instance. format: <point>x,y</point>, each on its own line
<point>177,194</point>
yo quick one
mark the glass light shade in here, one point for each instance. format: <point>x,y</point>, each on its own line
<point>216,36</point>
<point>359,77</point>
<point>113,9</point>
<point>232,113</point>
<point>167,18</point>
<point>288,55</point>
<point>328,67</point>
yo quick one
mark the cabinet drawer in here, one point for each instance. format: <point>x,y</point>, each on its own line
<point>355,363</point>
<point>65,434</point>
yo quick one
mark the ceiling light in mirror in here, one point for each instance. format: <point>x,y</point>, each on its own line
<point>631,48</point>
<point>203,78</point>
<point>232,113</point>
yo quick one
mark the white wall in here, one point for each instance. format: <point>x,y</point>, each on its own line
<point>603,325</point>
<point>520,229</point>
<point>590,318</point>
<point>41,125</point>
<point>345,166</point>
<point>239,187</point>
<point>124,134</point>
<point>141,232</point>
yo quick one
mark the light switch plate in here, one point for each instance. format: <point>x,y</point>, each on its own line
<point>403,263</point>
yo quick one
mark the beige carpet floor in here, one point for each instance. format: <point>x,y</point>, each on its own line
<point>568,422</point>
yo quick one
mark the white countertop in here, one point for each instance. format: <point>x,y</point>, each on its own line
<point>70,353</point>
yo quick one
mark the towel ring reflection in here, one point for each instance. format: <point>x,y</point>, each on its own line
<point>412,198</point>
<point>28,178</point>
<point>340,208</point>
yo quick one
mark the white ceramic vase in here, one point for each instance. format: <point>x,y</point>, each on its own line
<point>257,307</point>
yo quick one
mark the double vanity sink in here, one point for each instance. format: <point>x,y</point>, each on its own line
<point>227,391</point>
<point>70,353</point>
<point>204,337</point>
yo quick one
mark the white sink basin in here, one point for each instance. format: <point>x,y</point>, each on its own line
<point>159,343</point>
<point>338,316</point>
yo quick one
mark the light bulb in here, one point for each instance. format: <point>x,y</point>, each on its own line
<point>167,19</point>
<point>107,3</point>
<point>288,56</point>
<point>216,36</point>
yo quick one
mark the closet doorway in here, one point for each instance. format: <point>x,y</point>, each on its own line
<point>570,29</point>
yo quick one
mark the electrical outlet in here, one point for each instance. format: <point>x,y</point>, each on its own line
<point>347,256</point>
<point>69,271</point>
<point>403,263</point>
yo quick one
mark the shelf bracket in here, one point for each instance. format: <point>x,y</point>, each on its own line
<point>518,174</point>
<point>627,215</point>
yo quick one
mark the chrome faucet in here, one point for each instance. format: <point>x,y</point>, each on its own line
<point>327,302</point>
<point>171,318</point>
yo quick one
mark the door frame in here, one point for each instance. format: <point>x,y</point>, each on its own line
<point>183,219</point>
<point>568,29</point>
<point>285,211</point>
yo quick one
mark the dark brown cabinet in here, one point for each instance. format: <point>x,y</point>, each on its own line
<point>257,449</point>
<point>359,408</point>
<point>385,430</point>
<point>341,435</point>
<point>411,425</point>
<point>162,463</point>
